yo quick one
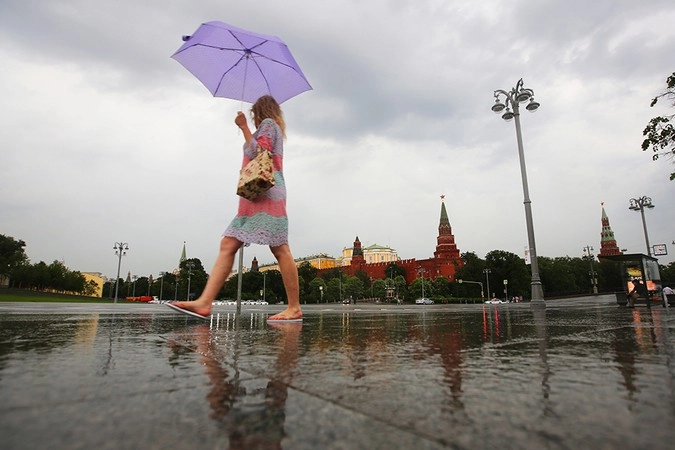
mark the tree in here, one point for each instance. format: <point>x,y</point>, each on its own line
<point>441,287</point>
<point>12,254</point>
<point>659,133</point>
<point>415,288</point>
<point>353,288</point>
<point>558,275</point>
<point>472,269</point>
<point>191,272</point>
<point>668,274</point>
<point>316,286</point>
<point>379,288</point>
<point>333,293</point>
<point>511,267</point>
<point>393,270</point>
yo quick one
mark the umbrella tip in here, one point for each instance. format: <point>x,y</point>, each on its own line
<point>186,37</point>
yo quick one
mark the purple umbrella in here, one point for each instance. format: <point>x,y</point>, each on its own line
<point>240,64</point>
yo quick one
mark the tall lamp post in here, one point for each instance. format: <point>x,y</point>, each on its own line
<point>639,204</point>
<point>588,253</point>
<point>511,107</point>
<point>189,265</point>
<point>161,284</point>
<point>487,278</point>
<point>420,271</point>
<point>120,250</point>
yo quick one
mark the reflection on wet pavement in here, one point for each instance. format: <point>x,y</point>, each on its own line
<point>573,375</point>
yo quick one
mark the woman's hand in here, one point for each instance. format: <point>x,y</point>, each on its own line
<point>240,120</point>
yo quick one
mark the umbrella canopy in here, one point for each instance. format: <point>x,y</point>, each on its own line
<point>240,64</point>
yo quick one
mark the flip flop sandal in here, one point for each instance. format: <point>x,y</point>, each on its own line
<point>185,311</point>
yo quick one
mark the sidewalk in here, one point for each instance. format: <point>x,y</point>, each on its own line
<point>584,373</point>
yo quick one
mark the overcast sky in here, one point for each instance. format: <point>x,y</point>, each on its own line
<point>107,139</point>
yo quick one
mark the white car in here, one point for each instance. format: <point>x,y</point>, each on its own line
<point>424,301</point>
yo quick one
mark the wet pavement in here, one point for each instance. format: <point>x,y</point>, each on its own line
<point>583,373</point>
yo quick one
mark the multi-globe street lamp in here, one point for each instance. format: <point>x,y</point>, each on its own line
<point>639,204</point>
<point>511,110</point>
<point>120,250</point>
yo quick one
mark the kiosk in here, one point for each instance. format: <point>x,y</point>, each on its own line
<point>641,281</point>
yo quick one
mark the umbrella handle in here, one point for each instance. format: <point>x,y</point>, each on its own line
<point>243,86</point>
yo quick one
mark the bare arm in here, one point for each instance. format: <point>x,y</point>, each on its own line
<point>241,122</point>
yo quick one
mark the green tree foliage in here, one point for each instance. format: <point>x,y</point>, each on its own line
<point>378,289</point>
<point>393,270</point>
<point>192,273</point>
<point>659,132</point>
<point>316,287</point>
<point>511,267</point>
<point>472,269</point>
<point>353,287</point>
<point>334,294</point>
<point>54,277</point>
<point>558,275</point>
<point>12,254</point>
<point>668,274</point>
<point>306,273</point>
<point>415,289</point>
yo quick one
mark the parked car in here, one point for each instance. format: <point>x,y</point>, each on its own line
<point>424,301</point>
<point>495,301</point>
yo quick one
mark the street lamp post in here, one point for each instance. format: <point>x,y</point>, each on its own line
<point>120,250</point>
<point>420,271</point>
<point>133,293</point>
<point>161,284</point>
<point>588,253</point>
<point>190,265</point>
<point>512,100</point>
<point>639,204</point>
<point>487,278</point>
<point>482,294</point>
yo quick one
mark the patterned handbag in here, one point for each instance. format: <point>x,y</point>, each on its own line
<point>257,177</point>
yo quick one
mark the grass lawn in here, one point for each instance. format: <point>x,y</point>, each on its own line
<point>20,295</point>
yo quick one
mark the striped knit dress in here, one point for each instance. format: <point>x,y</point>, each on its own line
<point>263,221</point>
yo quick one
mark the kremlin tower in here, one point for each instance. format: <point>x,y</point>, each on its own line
<point>608,245</point>
<point>445,262</point>
<point>446,247</point>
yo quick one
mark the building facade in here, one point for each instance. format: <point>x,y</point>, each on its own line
<point>320,261</point>
<point>445,262</point>
<point>372,254</point>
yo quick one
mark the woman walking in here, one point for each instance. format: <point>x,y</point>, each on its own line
<point>261,221</point>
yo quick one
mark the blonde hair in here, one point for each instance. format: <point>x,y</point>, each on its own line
<point>266,107</point>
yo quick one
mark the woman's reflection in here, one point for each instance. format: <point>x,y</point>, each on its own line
<point>253,418</point>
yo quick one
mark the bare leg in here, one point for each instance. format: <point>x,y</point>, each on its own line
<point>289,273</point>
<point>221,269</point>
